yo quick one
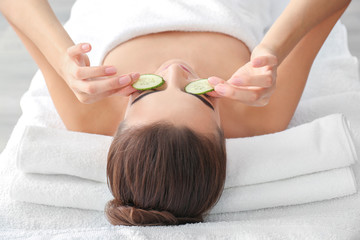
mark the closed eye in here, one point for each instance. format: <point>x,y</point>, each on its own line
<point>141,96</point>
<point>206,102</point>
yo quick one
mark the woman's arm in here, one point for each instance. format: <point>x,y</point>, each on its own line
<point>254,83</point>
<point>36,20</point>
<point>71,82</point>
<point>298,18</point>
<point>291,78</point>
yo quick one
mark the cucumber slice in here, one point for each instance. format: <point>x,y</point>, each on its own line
<point>148,81</point>
<point>199,87</point>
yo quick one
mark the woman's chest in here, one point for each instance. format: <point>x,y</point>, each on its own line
<point>208,53</point>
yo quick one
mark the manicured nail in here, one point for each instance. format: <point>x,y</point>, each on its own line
<point>257,62</point>
<point>110,70</point>
<point>85,46</point>
<point>214,81</point>
<point>220,89</point>
<point>135,75</point>
<point>124,80</point>
<point>237,81</point>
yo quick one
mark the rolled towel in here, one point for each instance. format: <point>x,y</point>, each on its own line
<point>313,147</point>
<point>58,151</point>
<point>323,144</point>
<point>69,191</point>
<point>345,103</point>
<point>298,190</point>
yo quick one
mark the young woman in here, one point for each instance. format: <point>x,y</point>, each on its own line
<point>167,162</point>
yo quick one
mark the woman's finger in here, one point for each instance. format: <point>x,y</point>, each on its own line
<point>77,49</point>
<point>269,60</point>
<point>248,95</point>
<point>100,86</point>
<point>126,91</point>
<point>215,81</point>
<point>88,99</point>
<point>93,72</point>
<point>214,94</point>
<point>265,80</point>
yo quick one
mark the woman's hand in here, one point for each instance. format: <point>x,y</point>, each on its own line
<point>253,83</point>
<point>91,84</point>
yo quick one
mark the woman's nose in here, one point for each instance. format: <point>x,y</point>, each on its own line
<point>176,75</point>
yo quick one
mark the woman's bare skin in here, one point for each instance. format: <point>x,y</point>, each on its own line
<point>293,40</point>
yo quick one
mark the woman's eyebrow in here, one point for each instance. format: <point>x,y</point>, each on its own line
<point>207,103</point>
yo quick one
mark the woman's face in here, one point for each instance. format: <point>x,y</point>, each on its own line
<point>170,102</point>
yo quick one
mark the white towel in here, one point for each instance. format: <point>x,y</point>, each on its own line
<point>320,145</point>
<point>336,219</point>
<point>58,151</point>
<point>327,138</point>
<point>302,189</point>
<point>317,146</point>
<point>68,191</point>
<point>60,191</point>
<point>240,19</point>
<point>345,103</point>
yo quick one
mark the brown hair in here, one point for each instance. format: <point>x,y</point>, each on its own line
<point>162,174</point>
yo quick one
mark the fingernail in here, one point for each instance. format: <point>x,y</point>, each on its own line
<point>135,75</point>
<point>124,80</point>
<point>220,89</point>
<point>85,46</point>
<point>237,81</point>
<point>213,81</point>
<point>110,70</point>
<point>257,62</point>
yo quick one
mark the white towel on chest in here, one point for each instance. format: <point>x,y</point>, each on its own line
<point>241,19</point>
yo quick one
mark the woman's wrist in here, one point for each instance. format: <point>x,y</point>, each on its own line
<point>59,55</point>
<point>263,50</point>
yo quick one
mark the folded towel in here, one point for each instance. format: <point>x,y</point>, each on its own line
<point>327,141</point>
<point>58,151</point>
<point>323,144</point>
<point>317,146</point>
<point>69,191</point>
<point>302,189</point>
<point>345,103</point>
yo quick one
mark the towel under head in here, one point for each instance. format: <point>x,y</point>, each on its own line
<point>323,144</point>
<point>290,168</point>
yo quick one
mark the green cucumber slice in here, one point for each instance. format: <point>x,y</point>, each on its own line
<point>199,87</point>
<point>148,81</point>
